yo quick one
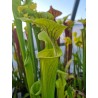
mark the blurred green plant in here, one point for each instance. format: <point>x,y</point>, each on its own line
<point>49,57</point>
<point>80,58</point>
<point>53,75</point>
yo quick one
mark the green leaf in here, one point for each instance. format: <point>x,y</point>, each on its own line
<point>68,64</point>
<point>70,91</point>
<point>62,76</point>
<point>15,4</point>
<point>36,88</point>
<point>44,37</point>
<point>82,21</point>
<point>29,70</point>
<point>79,83</point>
<point>53,29</point>
<point>60,83</point>
<point>48,52</point>
<point>61,72</point>
<point>61,21</point>
<point>84,56</point>
<point>65,18</point>
<point>30,16</point>
<point>32,50</point>
<point>45,15</point>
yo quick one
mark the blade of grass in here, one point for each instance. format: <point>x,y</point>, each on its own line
<point>31,69</point>
<point>32,51</point>
<point>15,4</point>
<point>84,56</point>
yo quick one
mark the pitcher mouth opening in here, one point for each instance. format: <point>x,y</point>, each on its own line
<point>49,53</point>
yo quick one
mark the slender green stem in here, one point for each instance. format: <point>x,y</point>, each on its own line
<point>18,23</point>
<point>84,56</point>
<point>32,51</point>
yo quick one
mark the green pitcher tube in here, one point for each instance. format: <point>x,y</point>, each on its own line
<point>48,76</point>
<point>48,66</point>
